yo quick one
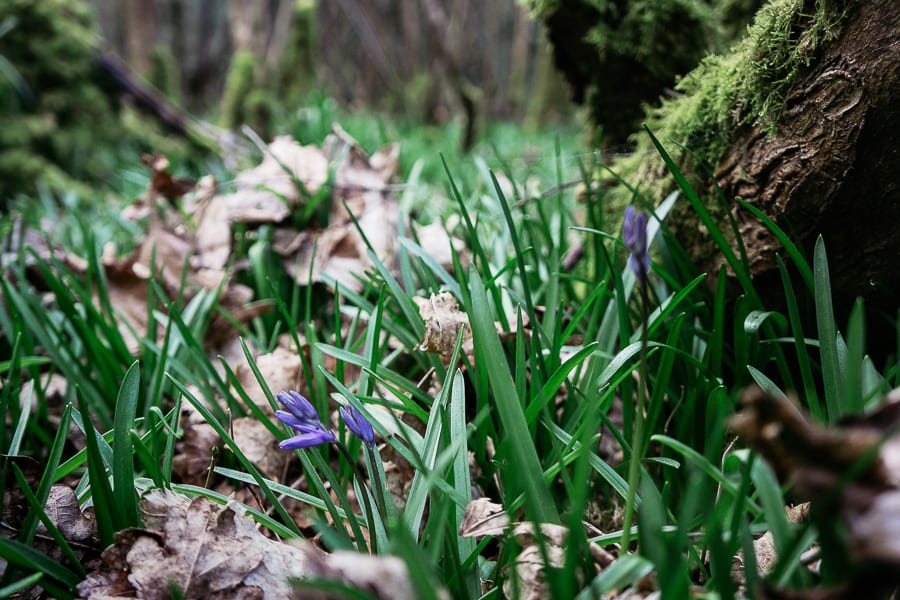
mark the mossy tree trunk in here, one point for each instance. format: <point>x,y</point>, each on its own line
<point>832,165</point>
<point>800,119</point>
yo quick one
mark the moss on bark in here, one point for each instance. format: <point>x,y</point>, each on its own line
<point>743,87</point>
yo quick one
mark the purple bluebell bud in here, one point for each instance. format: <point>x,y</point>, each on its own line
<point>357,424</point>
<point>634,235</point>
<point>302,417</point>
<point>297,405</point>
<point>315,437</point>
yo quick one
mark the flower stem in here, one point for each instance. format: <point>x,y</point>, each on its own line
<point>375,477</point>
<point>637,452</point>
<point>365,492</point>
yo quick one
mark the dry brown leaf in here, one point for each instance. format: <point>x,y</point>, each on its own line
<point>194,451</point>
<point>443,320</point>
<point>483,517</point>
<point>201,548</point>
<point>214,552</point>
<point>435,241</point>
<point>161,181</point>
<point>339,251</point>
<point>268,193</point>
<point>213,234</point>
<point>280,369</point>
<point>260,446</point>
<point>383,577</point>
<point>63,510</point>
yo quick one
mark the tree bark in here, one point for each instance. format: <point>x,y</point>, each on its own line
<point>833,165</point>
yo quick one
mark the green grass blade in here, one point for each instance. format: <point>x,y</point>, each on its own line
<point>27,557</point>
<point>811,395</point>
<point>101,492</point>
<point>446,278</point>
<point>21,585</point>
<point>767,385</point>
<point>702,463</point>
<point>527,473</point>
<point>123,450</point>
<point>853,396</point>
<point>24,412</point>
<point>29,525</point>
<point>703,214</point>
<point>796,255</point>
<point>37,509</point>
<point>832,374</point>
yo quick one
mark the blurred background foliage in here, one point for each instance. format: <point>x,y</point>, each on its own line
<point>67,66</point>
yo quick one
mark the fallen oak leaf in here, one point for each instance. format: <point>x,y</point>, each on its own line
<point>196,547</point>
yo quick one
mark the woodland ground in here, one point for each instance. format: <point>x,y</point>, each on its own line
<point>546,424</point>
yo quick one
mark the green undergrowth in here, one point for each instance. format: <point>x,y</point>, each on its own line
<point>522,418</point>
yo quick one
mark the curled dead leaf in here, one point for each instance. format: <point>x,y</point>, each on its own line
<point>443,321</point>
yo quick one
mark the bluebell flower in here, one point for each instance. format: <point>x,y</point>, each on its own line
<point>634,234</point>
<point>357,424</point>
<point>302,417</point>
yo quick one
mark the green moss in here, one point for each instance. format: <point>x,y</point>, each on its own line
<point>164,73</point>
<point>620,55</point>
<point>295,77</point>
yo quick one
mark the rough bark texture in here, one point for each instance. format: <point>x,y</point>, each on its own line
<point>832,165</point>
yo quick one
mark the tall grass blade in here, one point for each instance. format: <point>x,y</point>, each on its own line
<point>123,450</point>
<point>832,374</point>
<point>525,473</point>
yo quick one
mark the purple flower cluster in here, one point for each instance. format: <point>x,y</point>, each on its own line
<point>301,416</point>
<point>634,234</point>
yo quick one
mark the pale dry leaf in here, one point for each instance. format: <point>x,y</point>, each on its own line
<point>875,533</point>
<point>268,193</point>
<point>382,577</point>
<point>63,510</point>
<point>437,244</point>
<point>260,446</point>
<point>194,451</point>
<point>483,517</point>
<point>443,321</point>
<point>530,582</point>
<point>340,251</point>
<point>280,369</point>
<point>213,235</point>
<point>207,551</point>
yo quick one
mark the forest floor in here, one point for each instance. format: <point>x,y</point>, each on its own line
<point>365,364</point>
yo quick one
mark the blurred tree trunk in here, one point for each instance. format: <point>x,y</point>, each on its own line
<point>199,36</point>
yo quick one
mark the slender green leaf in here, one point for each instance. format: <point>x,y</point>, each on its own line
<point>832,373</point>
<point>527,474</point>
<point>123,451</point>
